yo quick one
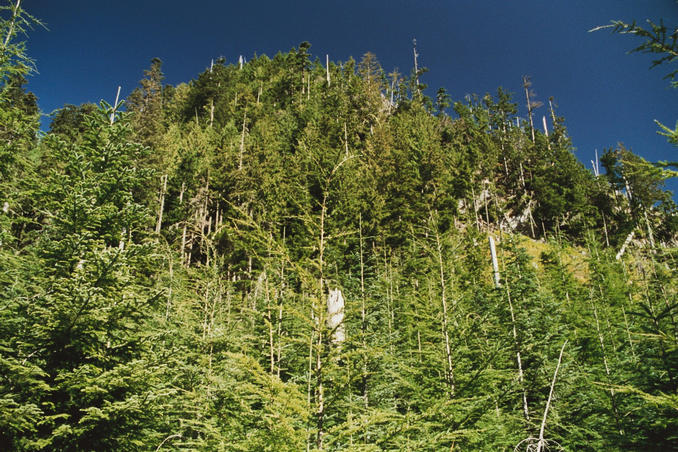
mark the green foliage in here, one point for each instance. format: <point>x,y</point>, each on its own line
<point>660,41</point>
<point>70,121</point>
<point>147,104</point>
<point>657,39</point>
<point>671,134</point>
<point>164,272</point>
<point>14,22</point>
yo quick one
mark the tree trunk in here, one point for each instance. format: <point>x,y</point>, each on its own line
<point>516,344</point>
<point>183,244</point>
<point>613,399</point>
<point>320,390</point>
<point>363,313</point>
<point>269,320</point>
<point>163,190</point>
<point>117,96</point>
<point>242,141</point>
<point>541,443</point>
<point>495,265</point>
<point>327,68</point>
<point>526,86</point>
<point>443,298</point>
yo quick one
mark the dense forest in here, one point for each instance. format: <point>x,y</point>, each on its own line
<point>292,253</point>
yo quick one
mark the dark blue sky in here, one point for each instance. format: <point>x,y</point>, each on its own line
<point>469,46</point>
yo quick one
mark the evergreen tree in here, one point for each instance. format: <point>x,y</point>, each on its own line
<point>275,184</point>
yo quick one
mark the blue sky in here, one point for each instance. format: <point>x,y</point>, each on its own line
<point>469,46</point>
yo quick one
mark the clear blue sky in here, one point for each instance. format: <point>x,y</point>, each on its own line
<point>469,46</point>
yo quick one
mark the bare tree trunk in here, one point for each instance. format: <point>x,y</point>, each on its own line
<point>607,240</point>
<point>183,244</point>
<point>310,376</point>
<point>475,207</point>
<point>541,443</point>
<point>628,333</point>
<point>416,65</point>
<point>393,82</point>
<point>389,301</point>
<point>443,298</point>
<point>121,244</point>
<point>613,399</point>
<point>269,319</point>
<point>279,334</point>
<point>495,265</point>
<point>242,140</point>
<point>553,113</point>
<point>532,222</point>
<point>320,413</point>
<point>205,308</point>
<point>169,291</point>
<point>280,305</point>
<point>201,219</point>
<point>216,301</point>
<point>335,318</point>
<point>625,244</point>
<point>320,390</point>
<point>650,235</point>
<point>516,344</point>
<point>526,86</point>
<point>629,194</point>
<point>531,104</point>
<point>363,313</point>
<point>117,96</point>
<point>327,68</point>
<point>163,190</point>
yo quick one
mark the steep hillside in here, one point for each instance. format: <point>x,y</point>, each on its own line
<point>289,254</point>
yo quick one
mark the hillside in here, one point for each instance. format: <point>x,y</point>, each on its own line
<point>294,254</point>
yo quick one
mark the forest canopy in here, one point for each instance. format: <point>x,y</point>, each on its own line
<point>292,254</point>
